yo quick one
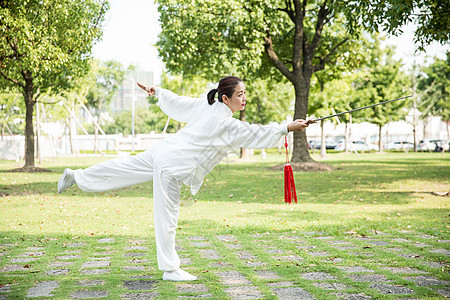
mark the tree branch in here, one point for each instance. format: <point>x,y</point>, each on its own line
<point>326,58</point>
<point>321,17</point>
<point>275,59</point>
<point>299,34</point>
<point>15,81</point>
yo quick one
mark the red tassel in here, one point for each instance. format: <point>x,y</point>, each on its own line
<point>289,185</point>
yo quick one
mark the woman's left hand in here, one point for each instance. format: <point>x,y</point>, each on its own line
<point>298,125</point>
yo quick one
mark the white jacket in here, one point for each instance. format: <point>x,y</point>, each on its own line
<point>211,132</point>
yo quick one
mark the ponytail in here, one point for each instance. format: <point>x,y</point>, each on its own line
<point>211,95</point>
<point>226,87</point>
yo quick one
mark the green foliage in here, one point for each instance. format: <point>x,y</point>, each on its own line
<point>51,41</point>
<point>431,16</point>
<point>268,101</point>
<point>382,80</point>
<point>107,77</point>
<point>435,80</point>
<point>145,122</point>
<point>12,113</point>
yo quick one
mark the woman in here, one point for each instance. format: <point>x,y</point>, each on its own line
<point>186,157</point>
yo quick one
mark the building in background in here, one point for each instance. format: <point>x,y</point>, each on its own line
<point>122,99</point>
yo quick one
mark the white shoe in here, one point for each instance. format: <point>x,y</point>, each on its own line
<point>178,275</point>
<point>67,179</point>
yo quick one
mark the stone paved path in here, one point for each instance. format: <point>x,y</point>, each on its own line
<point>259,266</point>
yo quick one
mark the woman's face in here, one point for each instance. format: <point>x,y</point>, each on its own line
<point>238,99</point>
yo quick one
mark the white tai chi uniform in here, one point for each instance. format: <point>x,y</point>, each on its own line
<point>185,157</point>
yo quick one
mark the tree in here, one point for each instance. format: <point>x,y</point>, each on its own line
<point>381,80</point>
<point>297,38</point>
<point>45,45</point>
<point>434,81</point>
<point>107,76</point>
<point>431,16</point>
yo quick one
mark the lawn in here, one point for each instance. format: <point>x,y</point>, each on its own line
<point>392,197</point>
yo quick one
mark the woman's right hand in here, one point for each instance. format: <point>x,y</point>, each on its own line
<point>298,125</point>
<point>150,90</point>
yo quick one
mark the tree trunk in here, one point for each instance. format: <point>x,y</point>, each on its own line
<point>323,146</point>
<point>380,134</point>
<point>29,131</point>
<point>300,151</point>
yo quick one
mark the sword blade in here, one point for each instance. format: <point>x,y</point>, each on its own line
<point>349,111</point>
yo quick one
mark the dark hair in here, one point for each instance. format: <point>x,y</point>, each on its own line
<point>227,86</point>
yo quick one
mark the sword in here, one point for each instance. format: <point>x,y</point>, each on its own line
<point>349,111</point>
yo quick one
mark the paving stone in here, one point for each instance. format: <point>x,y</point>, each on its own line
<point>184,288</point>
<point>91,282</point>
<point>280,284</point>
<point>106,240</point>
<point>323,238</point>
<point>186,261</point>
<point>233,246</point>
<point>139,261</point>
<point>59,264</point>
<point>288,258</point>
<point>255,263</point>
<point>393,249</point>
<point>219,264</point>
<point>139,285</point>
<point>391,289</point>
<point>134,268</point>
<point>306,247</point>
<point>179,249</point>
<point>210,254</point>
<point>404,270</point>
<point>201,244</point>
<point>338,242</point>
<point>346,296</point>
<point>95,264</point>
<point>132,248</point>
<point>13,268</point>
<point>208,296</point>
<point>369,277</point>
<point>355,269</point>
<point>444,241</point>
<point>2,297</point>
<point>57,272</point>
<point>68,257</point>
<point>76,245</point>
<point>5,288</point>
<point>134,254</point>
<point>94,271</point>
<point>245,255</point>
<point>401,240</point>
<point>23,259</point>
<point>444,292</point>
<point>197,238</point>
<point>243,292</point>
<point>102,258</point>
<point>410,255</point>
<point>142,277</point>
<point>267,275</point>
<point>292,293</point>
<point>426,236</point>
<point>140,296</point>
<point>233,278</point>
<point>317,253</point>
<point>424,280</point>
<point>378,243</point>
<point>317,276</point>
<point>32,253</point>
<point>72,252</point>
<point>274,251</point>
<point>226,238</point>
<point>105,253</point>
<point>421,245</point>
<point>435,264</point>
<point>43,289</point>
<point>89,294</point>
<point>330,286</point>
<point>345,247</point>
<point>440,251</point>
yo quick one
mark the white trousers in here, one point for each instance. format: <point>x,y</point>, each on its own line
<point>122,172</point>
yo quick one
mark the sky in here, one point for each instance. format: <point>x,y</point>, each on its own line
<point>131,29</point>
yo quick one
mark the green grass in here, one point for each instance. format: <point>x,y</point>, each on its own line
<point>389,196</point>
